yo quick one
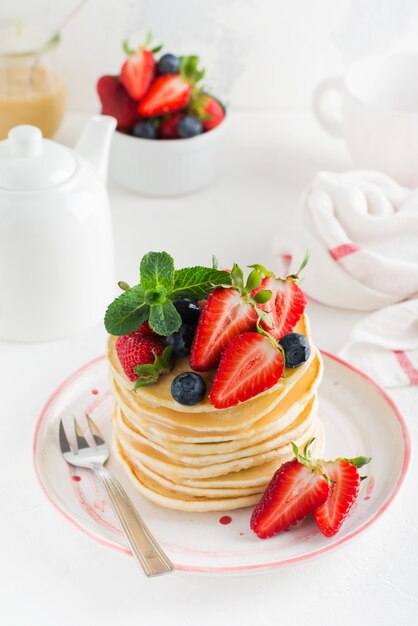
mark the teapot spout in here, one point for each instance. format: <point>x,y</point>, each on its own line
<point>94,142</point>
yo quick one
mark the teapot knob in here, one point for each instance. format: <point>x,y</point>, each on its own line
<point>25,141</point>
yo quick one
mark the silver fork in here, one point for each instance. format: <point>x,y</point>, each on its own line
<point>144,546</point>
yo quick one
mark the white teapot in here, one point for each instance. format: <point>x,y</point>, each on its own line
<point>56,244</point>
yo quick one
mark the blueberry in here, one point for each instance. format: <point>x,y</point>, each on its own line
<point>189,126</point>
<point>181,340</point>
<point>188,388</point>
<point>168,64</point>
<point>188,310</point>
<point>296,349</point>
<point>146,130</point>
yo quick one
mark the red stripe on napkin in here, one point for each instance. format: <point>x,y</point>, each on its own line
<point>340,251</point>
<point>407,366</point>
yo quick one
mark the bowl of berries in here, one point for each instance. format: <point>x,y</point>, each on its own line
<point>169,128</point>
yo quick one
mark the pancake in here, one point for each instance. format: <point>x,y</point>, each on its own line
<point>201,458</point>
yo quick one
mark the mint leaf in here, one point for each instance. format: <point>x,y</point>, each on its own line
<point>127,312</point>
<point>197,282</point>
<point>164,318</point>
<point>149,373</point>
<point>157,270</point>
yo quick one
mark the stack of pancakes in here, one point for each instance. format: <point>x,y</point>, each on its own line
<point>200,458</point>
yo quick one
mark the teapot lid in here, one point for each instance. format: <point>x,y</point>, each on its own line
<point>28,162</point>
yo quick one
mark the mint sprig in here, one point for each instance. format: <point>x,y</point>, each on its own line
<point>152,298</point>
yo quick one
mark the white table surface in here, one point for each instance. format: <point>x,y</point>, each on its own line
<point>50,573</point>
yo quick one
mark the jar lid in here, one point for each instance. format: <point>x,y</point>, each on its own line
<point>28,162</point>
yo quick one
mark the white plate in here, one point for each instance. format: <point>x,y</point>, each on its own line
<point>358,417</point>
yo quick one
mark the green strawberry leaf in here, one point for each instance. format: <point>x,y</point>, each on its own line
<point>197,282</point>
<point>262,269</point>
<point>149,373</point>
<point>254,280</point>
<point>157,270</point>
<point>127,312</point>
<point>237,278</point>
<point>215,263</point>
<point>262,296</point>
<point>359,461</point>
<point>164,318</point>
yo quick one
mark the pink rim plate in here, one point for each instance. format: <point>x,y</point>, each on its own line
<point>274,564</point>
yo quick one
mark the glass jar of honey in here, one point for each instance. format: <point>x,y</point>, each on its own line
<point>31,92</point>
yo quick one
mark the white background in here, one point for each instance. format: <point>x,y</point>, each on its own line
<point>263,54</point>
<point>273,52</point>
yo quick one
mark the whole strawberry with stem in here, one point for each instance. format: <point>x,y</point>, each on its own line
<point>287,303</point>
<point>229,311</point>
<point>143,357</point>
<point>170,93</point>
<point>208,109</point>
<point>297,488</point>
<point>139,68</point>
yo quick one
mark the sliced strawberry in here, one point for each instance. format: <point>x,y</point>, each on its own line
<point>225,316</point>
<point>250,364</point>
<point>117,102</point>
<point>168,126</point>
<point>344,490</point>
<point>137,349</point>
<point>137,73</point>
<point>213,112</point>
<point>167,94</point>
<point>294,491</point>
<point>286,306</point>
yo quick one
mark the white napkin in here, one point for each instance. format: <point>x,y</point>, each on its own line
<point>361,229</point>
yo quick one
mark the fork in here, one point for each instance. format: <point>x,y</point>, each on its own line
<point>144,546</point>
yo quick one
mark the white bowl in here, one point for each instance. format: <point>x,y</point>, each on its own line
<point>166,167</point>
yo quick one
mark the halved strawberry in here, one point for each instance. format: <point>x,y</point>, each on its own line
<point>225,316</point>
<point>171,92</point>
<point>117,102</point>
<point>286,306</point>
<point>344,490</point>
<point>139,69</point>
<point>250,364</point>
<point>168,93</point>
<point>295,490</point>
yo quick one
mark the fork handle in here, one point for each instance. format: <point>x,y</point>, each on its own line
<point>144,546</point>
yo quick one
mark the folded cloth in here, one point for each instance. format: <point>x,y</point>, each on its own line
<point>361,229</point>
<point>385,345</point>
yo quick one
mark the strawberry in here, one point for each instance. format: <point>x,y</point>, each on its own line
<point>117,102</point>
<point>250,364</point>
<point>168,93</point>
<point>297,488</point>
<point>225,316</point>
<point>168,126</point>
<point>213,112</point>
<point>139,69</point>
<point>344,490</point>
<point>171,92</point>
<point>287,303</point>
<point>137,349</point>
<point>145,329</point>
